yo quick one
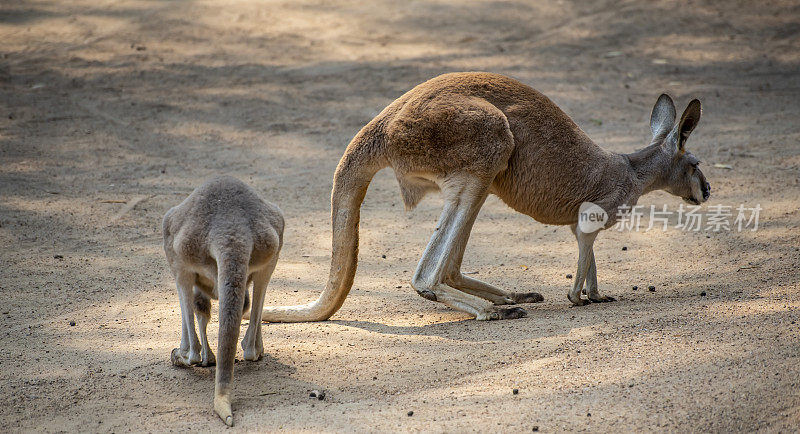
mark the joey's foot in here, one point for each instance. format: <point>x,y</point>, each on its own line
<point>526,297</point>
<point>504,313</point>
<point>253,345</point>
<point>601,299</point>
<point>184,360</point>
<point>252,354</point>
<point>209,360</point>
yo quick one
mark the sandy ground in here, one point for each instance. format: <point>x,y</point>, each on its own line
<point>105,105</point>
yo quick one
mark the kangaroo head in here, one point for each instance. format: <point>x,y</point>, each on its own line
<point>682,177</point>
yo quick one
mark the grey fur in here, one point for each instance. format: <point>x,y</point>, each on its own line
<point>217,241</point>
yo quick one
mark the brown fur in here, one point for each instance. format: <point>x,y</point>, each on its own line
<point>218,241</point>
<point>472,134</point>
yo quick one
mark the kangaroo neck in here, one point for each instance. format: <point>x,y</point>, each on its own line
<point>647,168</point>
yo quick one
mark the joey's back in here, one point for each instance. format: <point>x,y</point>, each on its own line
<point>477,122</point>
<point>218,241</point>
<point>223,213</point>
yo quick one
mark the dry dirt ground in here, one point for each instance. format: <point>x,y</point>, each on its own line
<point>112,112</point>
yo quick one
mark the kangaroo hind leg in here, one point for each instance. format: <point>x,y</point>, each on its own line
<point>464,197</point>
<point>498,296</point>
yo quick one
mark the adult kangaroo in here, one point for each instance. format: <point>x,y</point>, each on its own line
<point>471,134</point>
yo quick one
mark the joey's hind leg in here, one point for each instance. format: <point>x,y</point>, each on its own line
<point>246,308</point>
<point>189,352</point>
<point>253,342</point>
<point>463,199</point>
<point>202,310</point>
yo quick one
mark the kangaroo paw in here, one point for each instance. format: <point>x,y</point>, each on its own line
<point>504,313</point>
<point>512,313</point>
<point>427,294</point>
<point>580,302</point>
<point>601,299</point>
<point>526,297</point>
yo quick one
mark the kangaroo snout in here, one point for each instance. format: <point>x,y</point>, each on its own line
<point>706,191</point>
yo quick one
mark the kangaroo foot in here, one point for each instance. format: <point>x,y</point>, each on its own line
<point>526,297</point>
<point>503,313</point>
<point>601,298</point>
<point>427,294</point>
<point>580,302</point>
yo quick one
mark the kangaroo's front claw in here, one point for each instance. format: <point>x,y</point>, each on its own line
<point>527,297</point>
<point>602,299</point>
<point>513,313</point>
<point>580,302</point>
<point>504,313</point>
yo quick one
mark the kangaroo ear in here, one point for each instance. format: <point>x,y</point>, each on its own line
<point>663,117</point>
<point>689,120</point>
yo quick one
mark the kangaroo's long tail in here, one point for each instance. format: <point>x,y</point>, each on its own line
<point>362,159</point>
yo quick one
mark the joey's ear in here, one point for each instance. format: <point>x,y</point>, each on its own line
<point>689,120</point>
<point>663,117</point>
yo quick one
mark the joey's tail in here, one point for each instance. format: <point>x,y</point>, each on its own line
<point>362,159</point>
<point>232,287</point>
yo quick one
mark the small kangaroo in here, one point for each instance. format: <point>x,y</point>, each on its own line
<point>471,134</point>
<point>217,241</point>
